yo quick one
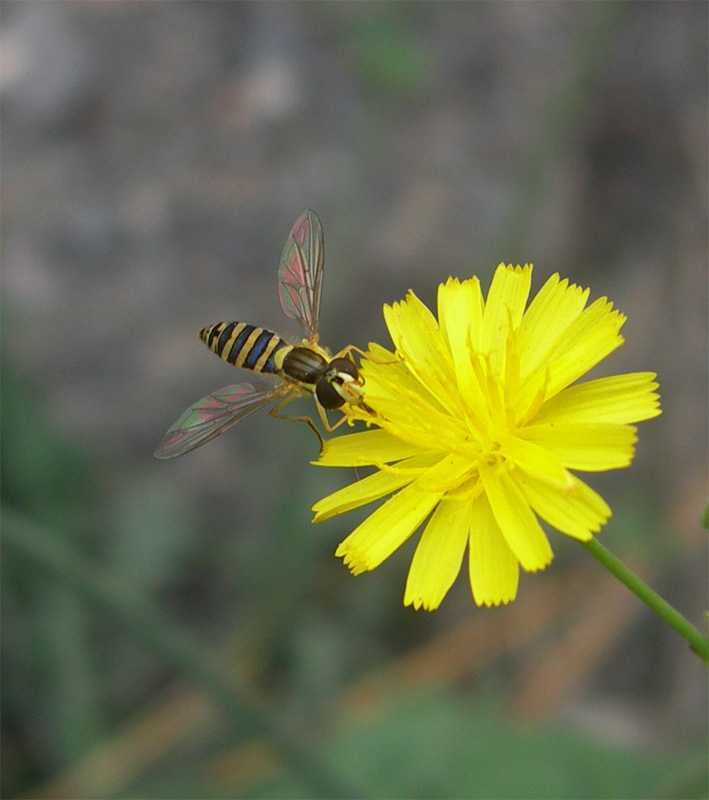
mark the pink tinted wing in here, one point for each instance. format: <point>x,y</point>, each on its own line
<point>214,414</point>
<point>300,273</point>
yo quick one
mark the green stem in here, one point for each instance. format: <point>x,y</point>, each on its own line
<point>144,619</point>
<point>698,643</point>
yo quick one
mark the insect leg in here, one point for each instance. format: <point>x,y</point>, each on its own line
<point>351,348</point>
<point>326,422</point>
<point>274,413</point>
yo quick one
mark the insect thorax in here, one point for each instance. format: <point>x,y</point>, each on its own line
<point>305,366</point>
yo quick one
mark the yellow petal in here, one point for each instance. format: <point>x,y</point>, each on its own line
<point>535,459</point>
<point>460,313</point>
<point>506,300</point>
<point>504,308</point>
<point>590,448</point>
<point>517,521</point>
<point>408,408</point>
<point>619,399</point>
<point>417,337</point>
<point>550,313</point>
<point>410,418</point>
<point>363,449</point>
<point>378,354</point>
<point>492,566</point>
<point>387,378</point>
<point>577,512</point>
<point>386,529</point>
<point>530,397</point>
<point>378,484</point>
<point>438,556</point>
<point>587,340</point>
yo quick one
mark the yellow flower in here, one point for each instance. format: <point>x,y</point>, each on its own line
<point>478,426</point>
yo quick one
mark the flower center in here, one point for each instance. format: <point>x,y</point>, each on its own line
<point>492,456</point>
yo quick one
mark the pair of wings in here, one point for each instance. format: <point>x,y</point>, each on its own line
<point>300,275</point>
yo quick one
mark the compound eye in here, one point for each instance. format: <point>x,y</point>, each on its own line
<point>327,395</point>
<point>344,365</point>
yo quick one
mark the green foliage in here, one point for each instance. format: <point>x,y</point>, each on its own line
<point>449,746</point>
<point>388,52</point>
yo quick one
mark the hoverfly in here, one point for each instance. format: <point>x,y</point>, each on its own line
<point>305,368</point>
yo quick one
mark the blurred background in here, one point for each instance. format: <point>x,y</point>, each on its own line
<point>155,156</point>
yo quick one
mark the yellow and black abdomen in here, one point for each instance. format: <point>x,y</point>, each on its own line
<point>246,346</point>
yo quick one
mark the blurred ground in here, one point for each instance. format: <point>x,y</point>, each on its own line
<point>155,156</point>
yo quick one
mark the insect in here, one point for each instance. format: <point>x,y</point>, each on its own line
<point>305,368</point>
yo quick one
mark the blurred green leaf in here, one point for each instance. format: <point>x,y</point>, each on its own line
<point>388,52</point>
<point>447,746</point>
<point>44,474</point>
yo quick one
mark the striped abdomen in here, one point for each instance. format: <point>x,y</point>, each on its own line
<point>245,346</point>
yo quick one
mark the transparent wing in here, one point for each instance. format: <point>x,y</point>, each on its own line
<point>300,273</point>
<point>214,414</point>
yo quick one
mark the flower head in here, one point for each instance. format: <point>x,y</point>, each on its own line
<point>479,422</point>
